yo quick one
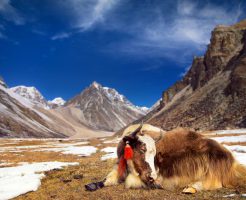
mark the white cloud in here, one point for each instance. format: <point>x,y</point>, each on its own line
<point>186,7</point>
<point>89,12</point>
<point>193,24</point>
<point>10,13</point>
<point>60,36</point>
<point>186,31</point>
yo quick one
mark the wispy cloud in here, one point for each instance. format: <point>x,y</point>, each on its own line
<point>85,14</point>
<point>39,32</point>
<point>10,13</point>
<point>183,32</point>
<point>60,36</point>
<point>148,28</point>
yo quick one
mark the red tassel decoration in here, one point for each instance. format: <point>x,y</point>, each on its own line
<point>128,152</point>
<point>122,167</point>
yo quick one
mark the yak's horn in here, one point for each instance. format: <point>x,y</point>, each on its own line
<point>160,137</point>
<point>134,133</point>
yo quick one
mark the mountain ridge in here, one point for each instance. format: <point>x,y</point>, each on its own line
<point>26,113</point>
<point>212,93</point>
<point>104,108</point>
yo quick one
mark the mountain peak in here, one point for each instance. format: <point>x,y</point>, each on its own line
<point>95,85</point>
<point>58,101</point>
<point>32,94</point>
<point>104,108</point>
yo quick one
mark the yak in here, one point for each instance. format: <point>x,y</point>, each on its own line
<point>179,158</point>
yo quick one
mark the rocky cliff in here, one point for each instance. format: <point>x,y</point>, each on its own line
<point>212,94</point>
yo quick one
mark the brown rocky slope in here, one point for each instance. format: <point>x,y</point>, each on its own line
<point>212,94</point>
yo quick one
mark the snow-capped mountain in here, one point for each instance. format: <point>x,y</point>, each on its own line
<point>144,109</point>
<point>31,94</point>
<point>24,112</point>
<point>56,102</point>
<point>18,117</point>
<point>104,108</point>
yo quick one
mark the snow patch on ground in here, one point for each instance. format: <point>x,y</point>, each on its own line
<point>233,195</point>
<point>240,157</point>
<point>75,150</point>
<point>15,181</point>
<point>49,146</point>
<point>233,131</point>
<point>229,195</point>
<point>64,148</point>
<point>237,148</point>
<point>111,153</point>
<point>239,152</point>
<point>81,151</point>
<point>240,138</point>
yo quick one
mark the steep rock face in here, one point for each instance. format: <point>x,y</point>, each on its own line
<point>212,93</point>
<point>104,108</point>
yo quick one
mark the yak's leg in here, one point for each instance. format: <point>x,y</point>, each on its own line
<point>212,183</point>
<point>207,184</point>
<point>193,188</point>
<point>133,180</point>
<point>112,178</point>
<point>171,183</point>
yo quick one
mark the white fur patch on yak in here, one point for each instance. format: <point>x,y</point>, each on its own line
<point>133,181</point>
<point>150,153</point>
<point>112,177</point>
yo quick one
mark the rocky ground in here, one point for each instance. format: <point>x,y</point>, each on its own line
<point>65,166</point>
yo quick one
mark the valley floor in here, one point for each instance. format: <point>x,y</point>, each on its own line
<point>59,169</point>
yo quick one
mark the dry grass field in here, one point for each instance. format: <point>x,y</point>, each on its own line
<point>68,183</point>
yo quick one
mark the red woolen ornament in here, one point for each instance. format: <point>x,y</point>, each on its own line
<point>122,167</point>
<point>128,152</point>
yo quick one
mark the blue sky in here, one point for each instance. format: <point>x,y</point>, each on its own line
<point>138,47</point>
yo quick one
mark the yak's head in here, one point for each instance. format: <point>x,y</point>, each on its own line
<point>144,151</point>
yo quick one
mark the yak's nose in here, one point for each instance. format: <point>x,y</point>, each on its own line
<point>153,175</point>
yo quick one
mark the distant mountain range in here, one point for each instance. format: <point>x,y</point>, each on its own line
<point>34,96</point>
<point>94,112</point>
